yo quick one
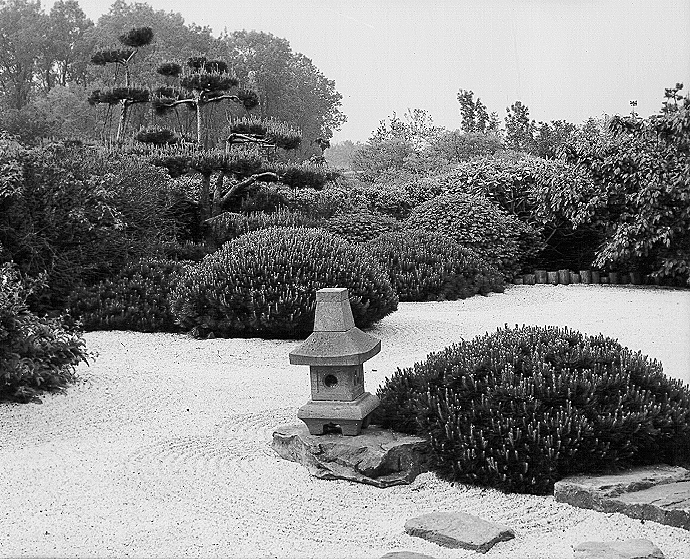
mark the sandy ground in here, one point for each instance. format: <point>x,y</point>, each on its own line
<point>164,449</point>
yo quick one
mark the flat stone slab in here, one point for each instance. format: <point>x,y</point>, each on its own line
<point>405,555</point>
<point>377,456</point>
<point>629,549</point>
<point>657,493</point>
<point>458,530</point>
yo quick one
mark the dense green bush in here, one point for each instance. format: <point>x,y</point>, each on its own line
<point>540,193</point>
<point>264,284</point>
<point>137,298</point>
<point>521,408</point>
<point>360,226</point>
<point>36,353</point>
<point>478,224</point>
<point>428,266</point>
<point>80,213</point>
<point>230,225</point>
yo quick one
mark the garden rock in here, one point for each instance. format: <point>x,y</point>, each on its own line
<point>658,493</point>
<point>378,457</point>
<point>458,530</point>
<point>630,549</point>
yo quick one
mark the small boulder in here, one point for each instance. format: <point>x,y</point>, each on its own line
<point>629,549</point>
<point>458,530</point>
<point>377,456</point>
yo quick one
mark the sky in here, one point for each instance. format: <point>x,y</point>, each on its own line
<point>564,59</point>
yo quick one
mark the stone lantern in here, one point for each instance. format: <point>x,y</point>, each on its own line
<point>335,353</point>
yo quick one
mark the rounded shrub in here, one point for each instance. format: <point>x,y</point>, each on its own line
<point>361,226</point>
<point>138,298</point>
<point>478,224</point>
<point>264,284</point>
<point>521,408</point>
<point>428,266</point>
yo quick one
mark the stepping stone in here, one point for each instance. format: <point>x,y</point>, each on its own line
<point>630,549</point>
<point>458,530</point>
<point>657,493</point>
<point>405,555</point>
<point>377,456</point>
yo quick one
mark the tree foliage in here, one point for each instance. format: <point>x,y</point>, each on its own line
<point>642,194</point>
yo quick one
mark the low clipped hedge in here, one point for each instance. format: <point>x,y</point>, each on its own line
<point>230,225</point>
<point>137,298</point>
<point>478,224</point>
<point>360,226</point>
<point>428,267</point>
<point>264,284</point>
<point>36,353</point>
<point>521,408</point>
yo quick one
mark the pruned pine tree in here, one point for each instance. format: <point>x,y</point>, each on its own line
<point>122,57</point>
<point>201,82</point>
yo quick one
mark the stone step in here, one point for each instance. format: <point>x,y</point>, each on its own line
<point>657,493</point>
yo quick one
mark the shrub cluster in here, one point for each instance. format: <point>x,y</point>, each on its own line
<point>478,224</point>
<point>80,214</point>
<point>264,284</point>
<point>521,408</point>
<point>428,266</point>
<point>36,353</point>
<point>137,298</point>
<point>360,226</point>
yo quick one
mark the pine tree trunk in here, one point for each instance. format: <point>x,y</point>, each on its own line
<point>198,124</point>
<point>124,108</point>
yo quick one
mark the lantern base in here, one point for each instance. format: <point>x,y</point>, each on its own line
<point>351,417</point>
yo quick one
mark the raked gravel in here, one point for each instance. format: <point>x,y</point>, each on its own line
<point>163,449</point>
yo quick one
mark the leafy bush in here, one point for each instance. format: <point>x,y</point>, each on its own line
<point>640,195</point>
<point>264,284</point>
<point>360,226</point>
<point>137,298</point>
<point>35,353</point>
<point>540,193</point>
<point>80,214</point>
<point>230,225</point>
<point>521,408</point>
<point>478,224</point>
<point>427,266</point>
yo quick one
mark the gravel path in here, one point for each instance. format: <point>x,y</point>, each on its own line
<point>164,449</point>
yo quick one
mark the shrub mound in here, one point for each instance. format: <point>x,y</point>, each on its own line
<point>521,408</point>
<point>361,226</point>
<point>137,298</point>
<point>476,223</point>
<point>230,225</point>
<point>36,353</point>
<point>427,267</point>
<point>264,284</point>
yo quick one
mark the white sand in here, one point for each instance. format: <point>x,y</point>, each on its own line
<point>164,449</point>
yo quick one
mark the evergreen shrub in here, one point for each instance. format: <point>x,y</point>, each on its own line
<point>36,353</point>
<point>264,284</point>
<point>478,224</point>
<point>230,225</point>
<point>360,226</point>
<point>137,298</point>
<point>428,266</point>
<point>521,408</point>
